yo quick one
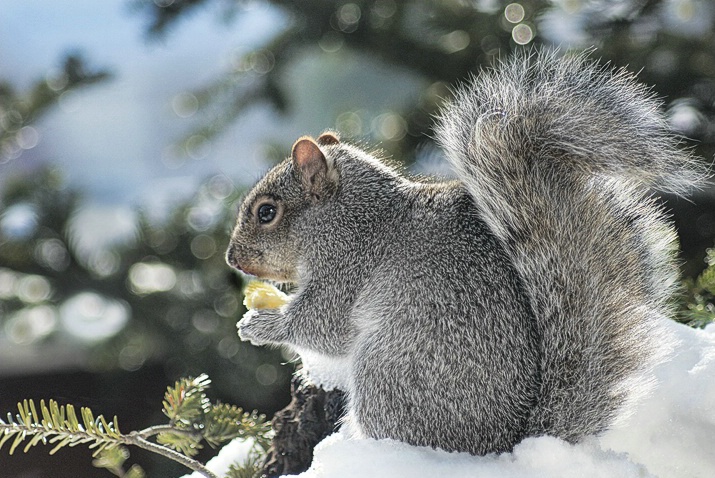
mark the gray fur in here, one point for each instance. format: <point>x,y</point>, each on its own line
<point>521,300</point>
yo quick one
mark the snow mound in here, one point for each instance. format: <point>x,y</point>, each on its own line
<point>337,456</point>
<point>670,434</point>
<point>235,451</point>
<point>672,431</point>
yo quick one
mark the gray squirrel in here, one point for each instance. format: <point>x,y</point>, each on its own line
<point>522,299</point>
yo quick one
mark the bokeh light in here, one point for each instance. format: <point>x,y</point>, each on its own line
<point>53,254</point>
<point>94,230</point>
<point>389,126</point>
<point>331,42</point>
<point>203,246</point>
<point>27,137</point>
<point>266,374</point>
<point>350,123</point>
<point>197,146</point>
<point>147,278</point>
<point>348,16</point>
<point>185,104</point>
<point>18,221</point>
<point>91,317</point>
<point>685,118</point>
<point>522,34</point>
<point>31,324</point>
<point>514,12</point>
<point>454,41</point>
<point>8,283</point>
<point>32,289</point>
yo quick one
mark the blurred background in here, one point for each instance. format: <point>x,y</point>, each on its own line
<point>130,128</point>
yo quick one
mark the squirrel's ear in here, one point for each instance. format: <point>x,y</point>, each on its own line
<point>316,172</point>
<point>328,138</point>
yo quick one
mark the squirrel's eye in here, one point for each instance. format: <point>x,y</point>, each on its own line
<point>266,213</point>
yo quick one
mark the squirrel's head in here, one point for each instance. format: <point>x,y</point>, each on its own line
<point>266,241</point>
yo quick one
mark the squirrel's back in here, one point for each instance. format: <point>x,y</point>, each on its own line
<point>559,155</point>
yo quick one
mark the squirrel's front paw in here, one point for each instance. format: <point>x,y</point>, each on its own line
<point>245,325</point>
<point>261,327</point>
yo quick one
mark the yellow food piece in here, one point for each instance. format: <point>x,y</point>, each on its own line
<point>260,295</point>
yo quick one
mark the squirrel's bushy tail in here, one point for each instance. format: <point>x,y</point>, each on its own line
<point>559,155</point>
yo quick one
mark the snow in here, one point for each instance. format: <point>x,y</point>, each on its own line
<point>670,434</point>
<point>339,457</point>
<point>235,451</point>
<point>672,431</point>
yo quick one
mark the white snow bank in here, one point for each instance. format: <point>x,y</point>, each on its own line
<point>671,434</point>
<point>235,451</point>
<point>672,431</point>
<point>337,456</point>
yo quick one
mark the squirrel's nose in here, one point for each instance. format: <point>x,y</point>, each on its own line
<point>236,254</point>
<point>231,258</point>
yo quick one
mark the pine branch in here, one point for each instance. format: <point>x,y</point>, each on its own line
<point>192,418</point>
<point>698,304</point>
<point>251,468</point>
<point>61,427</point>
<point>136,440</point>
<point>226,422</point>
<point>113,459</point>
<point>186,403</point>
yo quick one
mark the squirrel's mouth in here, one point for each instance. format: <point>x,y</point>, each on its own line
<point>232,261</point>
<point>279,276</point>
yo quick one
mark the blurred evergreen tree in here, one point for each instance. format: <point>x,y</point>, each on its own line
<point>442,42</point>
<point>671,42</point>
<point>180,299</point>
<point>18,111</point>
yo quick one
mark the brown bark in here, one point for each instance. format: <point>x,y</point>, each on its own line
<point>312,415</point>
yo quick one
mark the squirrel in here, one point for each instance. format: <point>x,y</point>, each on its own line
<point>522,299</point>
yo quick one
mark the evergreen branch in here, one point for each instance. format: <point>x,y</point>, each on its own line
<point>136,440</point>
<point>225,422</point>
<point>61,427</point>
<point>158,429</point>
<point>698,302</point>
<point>192,418</point>
<point>113,459</point>
<point>251,468</point>
<point>187,444</point>
<point>186,402</point>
